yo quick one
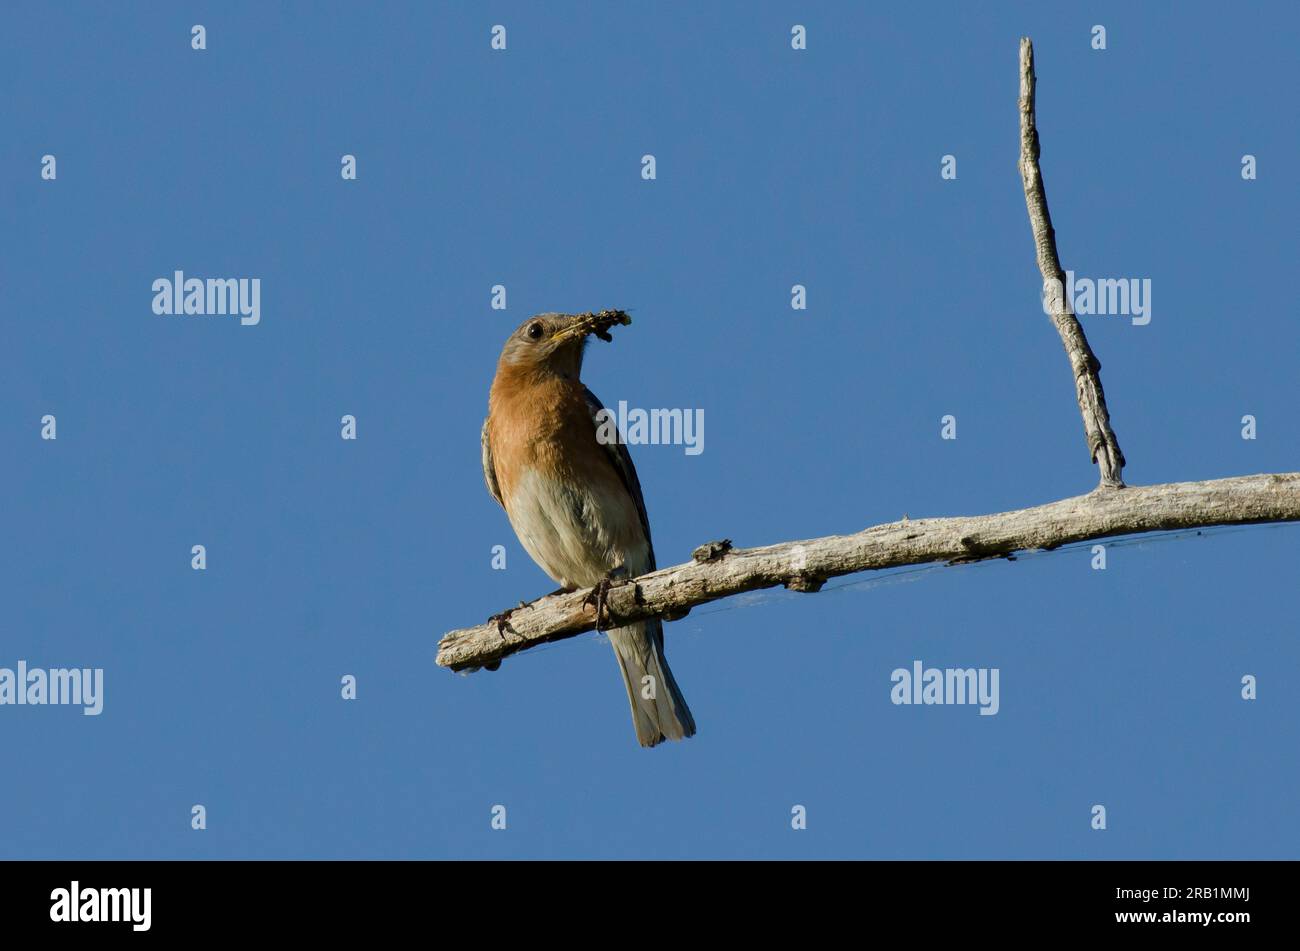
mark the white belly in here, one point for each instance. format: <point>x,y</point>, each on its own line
<point>577,535</point>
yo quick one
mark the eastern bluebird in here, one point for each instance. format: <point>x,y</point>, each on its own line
<point>575,503</point>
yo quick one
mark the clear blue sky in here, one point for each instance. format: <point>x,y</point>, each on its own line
<point>775,167</point>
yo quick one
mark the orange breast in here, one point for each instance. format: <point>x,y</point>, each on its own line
<point>542,423</point>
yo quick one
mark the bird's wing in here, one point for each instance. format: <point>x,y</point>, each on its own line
<point>621,460</point>
<point>489,471</point>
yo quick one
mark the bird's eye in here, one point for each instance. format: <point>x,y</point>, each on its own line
<point>535,330</point>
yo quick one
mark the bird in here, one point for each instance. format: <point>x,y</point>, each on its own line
<point>574,499</point>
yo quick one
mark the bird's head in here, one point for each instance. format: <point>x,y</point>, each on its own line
<point>553,343</point>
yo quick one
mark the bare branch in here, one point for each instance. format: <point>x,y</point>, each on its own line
<point>720,570</point>
<point>1102,444</point>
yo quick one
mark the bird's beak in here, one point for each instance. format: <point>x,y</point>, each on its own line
<point>582,325</point>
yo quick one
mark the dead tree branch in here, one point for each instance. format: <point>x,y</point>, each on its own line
<point>1102,444</point>
<point>805,565</point>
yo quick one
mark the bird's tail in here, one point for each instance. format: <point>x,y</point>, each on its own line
<point>659,710</point>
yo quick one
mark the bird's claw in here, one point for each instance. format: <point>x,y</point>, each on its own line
<point>503,619</point>
<point>599,595</point>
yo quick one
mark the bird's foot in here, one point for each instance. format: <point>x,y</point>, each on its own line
<point>599,595</point>
<point>503,619</point>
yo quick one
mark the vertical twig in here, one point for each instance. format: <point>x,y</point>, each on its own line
<point>1102,444</point>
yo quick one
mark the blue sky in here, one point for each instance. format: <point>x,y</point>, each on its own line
<point>774,167</point>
